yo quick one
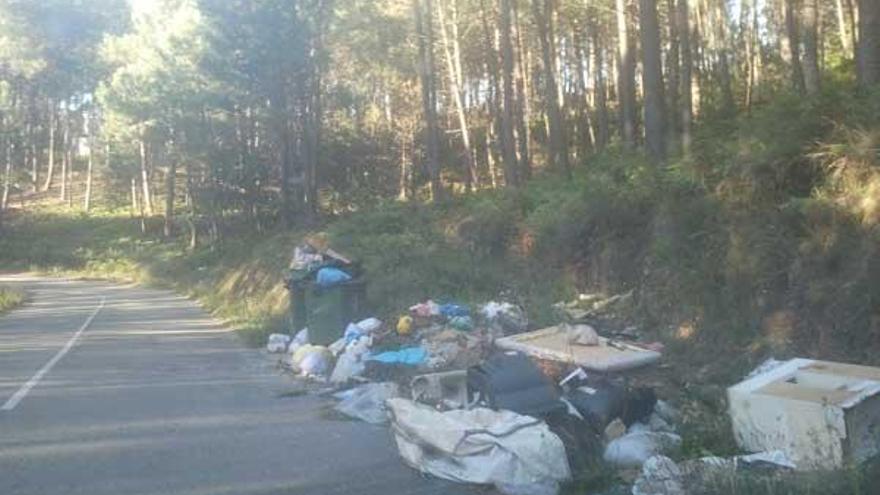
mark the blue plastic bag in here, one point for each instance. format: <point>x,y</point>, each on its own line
<point>452,310</point>
<point>329,276</point>
<point>413,356</point>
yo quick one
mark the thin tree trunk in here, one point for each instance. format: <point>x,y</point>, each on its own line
<point>146,201</point>
<point>50,167</point>
<point>508,146</point>
<point>87,199</point>
<point>65,156</point>
<point>869,43</point>
<point>522,112</point>
<point>170,182</point>
<point>626,92</point>
<point>723,50</point>
<point>686,109</point>
<point>792,27</point>
<point>191,205</point>
<point>557,155</point>
<point>134,197</point>
<point>599,92</point>
<point>453,68</point>
<point>810,12</point>
<point>673,71</point>
<point>844,29</point>
<point>425,32</point>
<point>652,80</point>
<point>7,176</point>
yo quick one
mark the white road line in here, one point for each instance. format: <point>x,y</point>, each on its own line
<point>23,391</point>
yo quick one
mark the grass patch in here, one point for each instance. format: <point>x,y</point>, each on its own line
<point>10,298</point>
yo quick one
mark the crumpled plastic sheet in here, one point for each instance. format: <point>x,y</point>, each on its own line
<point>367,402</point>
<point>518,454</point>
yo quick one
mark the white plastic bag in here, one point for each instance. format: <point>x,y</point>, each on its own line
<point>370,325</point>
<point>351,362</point>
<point>277,342</point>
<point>367,402</point>
<point>633,449</point>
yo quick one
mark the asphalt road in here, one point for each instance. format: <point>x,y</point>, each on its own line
<point>110,389</point>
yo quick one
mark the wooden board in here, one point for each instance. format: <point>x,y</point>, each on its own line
<point>552,343</point>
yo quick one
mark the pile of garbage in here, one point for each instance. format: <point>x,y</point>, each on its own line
<point>463,409</point>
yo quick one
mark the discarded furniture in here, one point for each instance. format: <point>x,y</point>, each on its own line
<point>820,414</point>
<point>552,343</point>
<point>512,381</point>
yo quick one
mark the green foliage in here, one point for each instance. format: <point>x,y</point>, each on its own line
<point>10,298</point>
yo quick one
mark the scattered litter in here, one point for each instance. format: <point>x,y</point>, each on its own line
<point>633,449</point>
<point>330,276</point>
<point>370,325</point>
<point>614,430</point>
<point>426,309</point>
<point>462,323</point>
<point>518,454</point>
<point>277,342</point>
<point>405,325</point>
<point>367,402</point>
<point>578,374</point>
<point>448,389</point>
<point>667,412</point>
<point>413,356</point>
<point>660,476</point>
<point>582,335</point>
<point>506,318</point>
<point>776,458</point>
<point>451,310</point>
<point>312,360</point>
<point>351,363</point>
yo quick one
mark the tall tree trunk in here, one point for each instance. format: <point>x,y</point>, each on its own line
<point>728,104</point>
<point>869,43</point>
<point>672,70</point>
<point>626,92</point>
<point>557,153</point>
<point>453,69</point>
<point>522,111</point>
<point>599,92</point>
<point>425,32</point>
<point>652,80</point>
<point>7,176</point>
<point>494,100</point>
<point>191,204</point>
<point>50,167</point>
<point>134,197</point>
<point>844,28</point>
<point>792,27</point>
<point>686,110</point>
<point>87,198</point>
<point>65,156</point>
<point>146,200</point>
<point>508,145</point>
<point>810,12</point>
<point>170,182</point>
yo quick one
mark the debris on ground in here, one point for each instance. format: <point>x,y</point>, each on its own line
<point>367,402</point>
<point>511,381</point>
<point>552,343</point>
<point>821,414</point>
<point>504,318</point>
<point>278,342</point>
<point>447,390</point>
<point>633,449</point>
<point>518,454</point>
